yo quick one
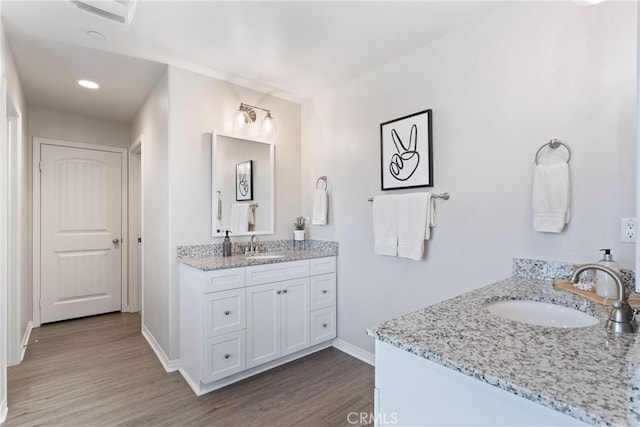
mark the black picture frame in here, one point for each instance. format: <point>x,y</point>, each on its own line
<point>406,152</point>
<point>244,181</point>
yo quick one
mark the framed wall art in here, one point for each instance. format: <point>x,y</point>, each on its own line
<point>406,152</point>
<point>244,181</point>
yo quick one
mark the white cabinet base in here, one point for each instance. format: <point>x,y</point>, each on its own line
<point>411,390</point>
<point>199,388</point>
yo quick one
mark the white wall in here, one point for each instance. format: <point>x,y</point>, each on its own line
<point>15,310</point>
<point>56,124</point>
<point>3,239</point>
<point>198,105</point>
<point>152,122</point>
<point>19,250</point>
<point>499,88</point>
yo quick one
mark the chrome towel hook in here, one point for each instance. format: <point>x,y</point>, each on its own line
<point>553,144</point>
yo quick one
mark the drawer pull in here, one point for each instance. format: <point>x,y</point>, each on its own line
<point>284,291</point>
<point>227,312</point>
<point>278,292</point>
<point>324,291</point>
<point>226,356</point>
<point>324,325</point>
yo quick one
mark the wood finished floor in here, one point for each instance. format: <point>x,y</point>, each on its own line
<point>100,371</point>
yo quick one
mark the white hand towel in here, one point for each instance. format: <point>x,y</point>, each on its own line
<point>385,225</point>
<point>239,218</point>
<point>413,210</point>
<point>320,207</point>
<point>432,221</point>
<point>551,197</point>
<point>251,215</point>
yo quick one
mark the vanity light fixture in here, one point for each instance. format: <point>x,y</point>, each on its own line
<point>246,115</point>
<point>88,84</point>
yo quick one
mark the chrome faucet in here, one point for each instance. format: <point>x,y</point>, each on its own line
<point>253,243</point>
<point>622,317</point>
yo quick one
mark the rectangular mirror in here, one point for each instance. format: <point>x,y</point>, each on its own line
<point>242,185</point>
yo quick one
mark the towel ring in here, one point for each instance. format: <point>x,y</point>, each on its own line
<point>322,178</point>
<point>553,144</point>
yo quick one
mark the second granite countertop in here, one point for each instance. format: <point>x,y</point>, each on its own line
<point>587,373</point>
<point>208,263</point>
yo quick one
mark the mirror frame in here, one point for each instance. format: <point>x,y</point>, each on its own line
<point>214,149</point>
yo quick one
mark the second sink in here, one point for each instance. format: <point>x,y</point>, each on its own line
<point>541,314</point>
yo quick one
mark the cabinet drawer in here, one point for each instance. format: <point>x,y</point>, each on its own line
<point>225,279</point>
<point>269,273</point>
<point>323,325</point>
<point>224,312</point>
<point>323,291</point>
<point>322,265</point>
<point>223,356</point>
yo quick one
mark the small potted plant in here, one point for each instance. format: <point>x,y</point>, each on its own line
<point>298,232</point>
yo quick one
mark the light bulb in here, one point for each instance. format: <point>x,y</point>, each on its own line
<point>241,119</point>
<point>268,125</point>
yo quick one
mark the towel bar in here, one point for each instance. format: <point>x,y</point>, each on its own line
<point>444,196</point>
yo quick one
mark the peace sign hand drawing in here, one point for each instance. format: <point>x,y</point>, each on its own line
<point>405,160</point>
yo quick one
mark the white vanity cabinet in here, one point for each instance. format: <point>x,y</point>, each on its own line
<point>237,322</point>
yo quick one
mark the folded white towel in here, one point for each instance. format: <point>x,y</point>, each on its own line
<point>251,214</point>
<point>385,209</point>
<point>432,220</point>
<point>413,217</point>
<point>240,217</point>
<point>551,197</point>
<point>320,207</point>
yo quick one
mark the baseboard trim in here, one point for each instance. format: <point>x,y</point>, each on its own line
<point>354,351</point>
<point>25,340</point>
<point>168,364</point>
<point>3,410</point>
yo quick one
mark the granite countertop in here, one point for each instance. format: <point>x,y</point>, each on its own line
<point>207,263</point>
<point>587,373</point>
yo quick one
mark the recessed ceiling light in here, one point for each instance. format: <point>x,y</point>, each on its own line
<point>88,84</point>
<point>95,35</point>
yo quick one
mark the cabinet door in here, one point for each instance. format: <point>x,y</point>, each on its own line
<point>223,356</point>
<point>323,325</point>
<point>323,291</point>
<point>224,312</point>
<point>263,323</point>
<point>295,315</point>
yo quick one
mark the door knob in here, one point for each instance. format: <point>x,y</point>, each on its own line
<point>116,241</point>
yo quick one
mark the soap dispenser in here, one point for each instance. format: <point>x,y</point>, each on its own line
<point>226,245</point>
<point>605,285</point>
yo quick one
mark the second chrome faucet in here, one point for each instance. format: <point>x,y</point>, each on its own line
<point>622,318</point>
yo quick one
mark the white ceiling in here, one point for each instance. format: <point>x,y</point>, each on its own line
<point>290,49</point>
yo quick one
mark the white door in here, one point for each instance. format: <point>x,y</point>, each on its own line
<point>263,323</point>
<point>294,316</point>
<point>81,231</point>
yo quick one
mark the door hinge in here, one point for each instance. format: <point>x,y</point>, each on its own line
<point>139,239</point>
<point>40,303</point>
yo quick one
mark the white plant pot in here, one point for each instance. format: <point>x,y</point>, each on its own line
<point>298,235</point>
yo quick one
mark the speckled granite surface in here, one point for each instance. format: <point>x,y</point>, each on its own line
<point>237,248</point>
<point>587,373</point>
<point>219,262</point>
<point>550,270</point>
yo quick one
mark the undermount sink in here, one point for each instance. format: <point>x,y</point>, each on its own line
<point>541,314</point>
<point>264,255</point>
